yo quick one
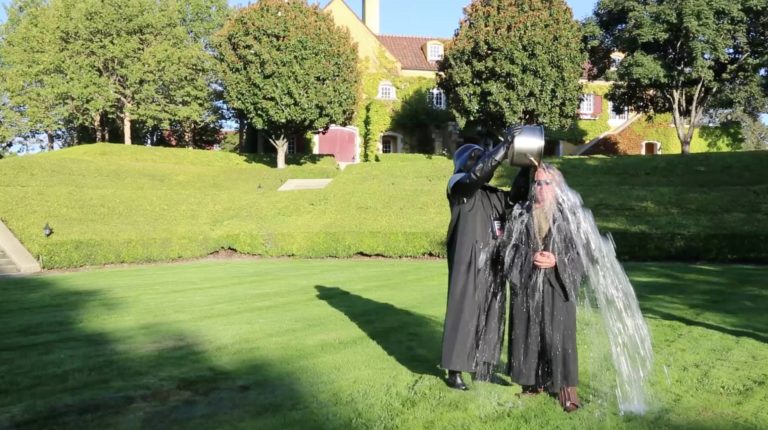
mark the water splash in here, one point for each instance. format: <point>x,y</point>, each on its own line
<point>575,235</point>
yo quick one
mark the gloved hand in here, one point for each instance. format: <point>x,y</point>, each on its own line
<point>509,139</point>
<point>511,132</point>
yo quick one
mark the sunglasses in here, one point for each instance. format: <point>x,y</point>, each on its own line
<point>542,182</point>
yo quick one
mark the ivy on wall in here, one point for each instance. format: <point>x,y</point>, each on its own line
<point>584,130</point>
<point>409,113</point>
<point>726,137</point>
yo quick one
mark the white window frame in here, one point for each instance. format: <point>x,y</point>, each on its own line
<point>292,144</point>
<point>387,91</point>
<point>436,98</point>
<point>435,51</point>
<point>613,116</point>
<point>587,105</point>
<point>615,62</point>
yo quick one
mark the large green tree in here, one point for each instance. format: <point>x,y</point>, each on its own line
<point>34,93</point>
<point>288,69</point>
<point>685,56</point>
<point>514,61</point>
<point>69,63</point>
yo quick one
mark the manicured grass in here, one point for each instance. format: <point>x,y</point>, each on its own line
<point>111,204</point>
<point>344,344</point>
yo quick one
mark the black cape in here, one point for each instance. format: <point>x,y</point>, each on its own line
<point>474,318</point>
<point>542,334</point>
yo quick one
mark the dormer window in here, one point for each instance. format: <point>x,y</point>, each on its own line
<point>386,91</point>
<point>434,51</point>
<point>616,58</point>
<point>436,98</point>
<point>591,106</point>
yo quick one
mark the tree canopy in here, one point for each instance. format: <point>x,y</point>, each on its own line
<point>514,61</point>
<point>68,63</point>
<point>685,56</point>
<point>288,68</point>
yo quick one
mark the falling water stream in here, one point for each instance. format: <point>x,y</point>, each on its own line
<point>605,286</point>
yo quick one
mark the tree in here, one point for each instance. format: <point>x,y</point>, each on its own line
<point>288,68</point>
<point>33,90</point>
<point>70,63</point>
<point>683,57</point>
<point>514,61</point>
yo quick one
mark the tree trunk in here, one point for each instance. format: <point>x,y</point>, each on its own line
<point>127,124</point>
<point>281,145</point>
<point>189,136</point>
<point>281,156</point>
<point>50,136</point>
<point>241,134</point>
<point>105,127</point>
<point>97,126</point>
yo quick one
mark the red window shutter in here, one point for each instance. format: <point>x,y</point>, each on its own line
<point>598,105</point>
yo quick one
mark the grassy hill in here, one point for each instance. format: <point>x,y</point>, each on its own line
<point>111,203</point>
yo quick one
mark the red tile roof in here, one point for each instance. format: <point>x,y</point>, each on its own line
<point>409,51</point>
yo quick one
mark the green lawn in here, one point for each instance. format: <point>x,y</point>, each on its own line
<point>344,344</point>
<point>111,203</point>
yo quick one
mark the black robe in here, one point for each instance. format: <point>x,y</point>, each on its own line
<point>542,334</point>
<point>474,318</point>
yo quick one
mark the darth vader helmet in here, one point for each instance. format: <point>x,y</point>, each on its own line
<point>465,158</point>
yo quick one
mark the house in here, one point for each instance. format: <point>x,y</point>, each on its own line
<point>399,77</point>
<point>397,71</point>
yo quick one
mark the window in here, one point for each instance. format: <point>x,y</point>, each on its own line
<point>292,145</point>
<point>616,58</point>
<point>436,98</point>
<point>386,145</point>
<point>587,105</point>
<point>387,91</point>
<point>434,52</point>
<point>612,115</point>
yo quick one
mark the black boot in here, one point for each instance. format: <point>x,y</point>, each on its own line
<point>455,381</point>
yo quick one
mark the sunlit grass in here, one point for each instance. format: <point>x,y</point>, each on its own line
<point>344,344</point>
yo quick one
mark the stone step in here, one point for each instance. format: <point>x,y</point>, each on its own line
<point>6,264</point>
<point>7,270</point>
<point>23,261</point>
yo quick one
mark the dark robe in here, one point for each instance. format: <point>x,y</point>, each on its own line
<point>474,318</point>
<point>542,334</point>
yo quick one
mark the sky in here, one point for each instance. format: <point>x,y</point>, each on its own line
<point>437,18</point>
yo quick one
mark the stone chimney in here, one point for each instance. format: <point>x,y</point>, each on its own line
<point>371,15</point>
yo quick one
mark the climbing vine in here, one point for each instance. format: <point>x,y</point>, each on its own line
<point>409,113</point>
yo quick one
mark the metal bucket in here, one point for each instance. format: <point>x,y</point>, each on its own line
<point>528,147</point>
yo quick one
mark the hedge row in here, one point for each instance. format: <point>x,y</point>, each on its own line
<point>111,204</point>
<point>631,246</point>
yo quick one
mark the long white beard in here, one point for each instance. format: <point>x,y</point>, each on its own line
<point>542,221</point>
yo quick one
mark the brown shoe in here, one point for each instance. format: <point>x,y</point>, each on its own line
<point>568,398</point>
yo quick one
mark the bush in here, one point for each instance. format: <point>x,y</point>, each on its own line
<point>117,204</point>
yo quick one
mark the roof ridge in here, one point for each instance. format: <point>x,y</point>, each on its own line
<point>414,37</point>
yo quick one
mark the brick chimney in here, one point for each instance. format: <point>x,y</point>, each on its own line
<point>371,15</point>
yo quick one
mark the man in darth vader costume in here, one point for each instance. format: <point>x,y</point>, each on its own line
<point>474,318</point>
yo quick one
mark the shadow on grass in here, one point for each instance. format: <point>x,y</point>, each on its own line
<point>58,371</point>
<point>728,299</point>
<point>412,339</point>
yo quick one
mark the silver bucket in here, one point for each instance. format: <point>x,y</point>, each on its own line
<point>528,146</point>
